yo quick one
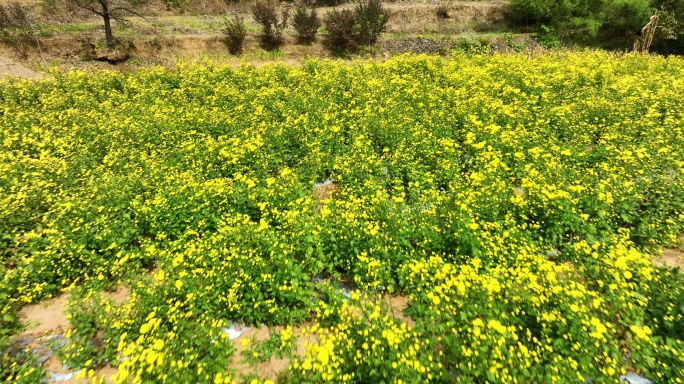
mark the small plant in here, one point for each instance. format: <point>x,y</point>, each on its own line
<point>235,32</point>
<point>16,361</point>
<point>306,24</point>
<point>442,12</point>
<point>475,47</point>
<point>279,345</point>
<point>265,12</point>
<point>547,38</point>
<point>510,41</point>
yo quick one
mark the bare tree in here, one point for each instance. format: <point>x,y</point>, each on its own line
<point>109,10</point>
<point>643,43</point>
<point>17,26</point>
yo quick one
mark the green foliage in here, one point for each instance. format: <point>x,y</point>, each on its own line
<point>92,341</point>
<point>235,31</point>
<point>372,19</point>
<point>666,307</point>
<point>674,6</point>
<point>665,315</point>
<point>585,20</point>
<point>548,38</point>
<point>306,24</point>
<point>511,201</point>
<point>670,37</point>
<point>626,18</point>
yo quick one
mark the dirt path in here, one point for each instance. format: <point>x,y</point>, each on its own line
<point>10,67</point>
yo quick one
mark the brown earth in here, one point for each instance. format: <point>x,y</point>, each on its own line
<point>45,318</point>
<point>397,305</point>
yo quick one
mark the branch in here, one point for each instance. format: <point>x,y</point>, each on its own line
<point>89,7</point>
<point>121,20</point>
<point>124,9</point>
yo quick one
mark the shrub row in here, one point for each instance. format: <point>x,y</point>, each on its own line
<point>347,29</point>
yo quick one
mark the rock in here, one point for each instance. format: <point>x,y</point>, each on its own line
<point>417,45</point>
<point>633,378</point>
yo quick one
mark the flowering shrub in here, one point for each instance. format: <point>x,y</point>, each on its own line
<point>514,201</point>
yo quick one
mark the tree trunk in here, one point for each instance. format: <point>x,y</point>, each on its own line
<point>109,37</point>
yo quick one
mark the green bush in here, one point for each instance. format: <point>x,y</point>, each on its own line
<point>670,38</point>
<point>547,38</point>
<point>347,30</point>
<point>626,18</point>
<point>306,24</point>
<point>235,32</point>
<point>341,27</point>
<point>266,13</point>
<point>372,20</point>
<point>665,313</point>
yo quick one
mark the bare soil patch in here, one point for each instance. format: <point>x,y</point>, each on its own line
<point>268,370</point>
<point>49,317</point>
<point>671,258</point>
<point>10,67</point>
<point>325,192</point>
<point>45,318</point>
<point>60,374</point>
<point>397,306</point>
<point>456,17</point>
<point>46,322</point>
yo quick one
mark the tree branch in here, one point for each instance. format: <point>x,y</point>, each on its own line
<point>88,6</point>
<point>124,9</point>
<point>91,9</point>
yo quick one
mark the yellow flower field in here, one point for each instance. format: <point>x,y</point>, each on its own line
<point>516,201</point>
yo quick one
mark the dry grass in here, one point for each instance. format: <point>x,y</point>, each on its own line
<point>462,17</point>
